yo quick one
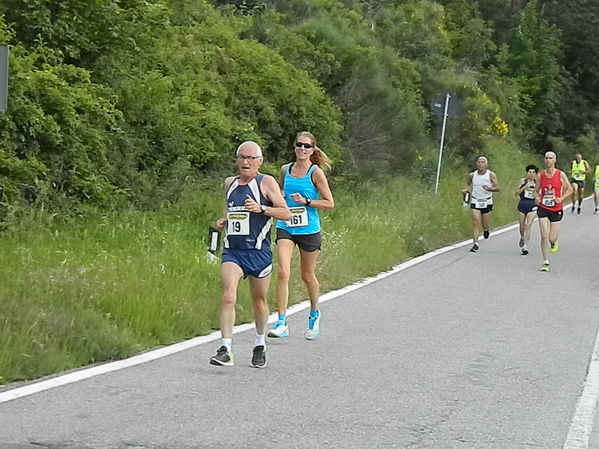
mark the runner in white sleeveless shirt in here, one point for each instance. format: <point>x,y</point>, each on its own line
<point>481,184</point>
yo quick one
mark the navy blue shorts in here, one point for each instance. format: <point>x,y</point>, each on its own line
<point>253,262</point>
<point>527,206</point>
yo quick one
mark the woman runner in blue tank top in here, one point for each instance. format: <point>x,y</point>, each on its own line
<point>306,189</point>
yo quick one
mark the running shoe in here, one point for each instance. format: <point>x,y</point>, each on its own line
<point>596,211</point>
<point>279,330</point>
<point>545,267</point>
<point>579,211</point>
<point>524,251</point>
<point>521,242</point>
<point>572,210</point>
<point>222,357</point>
<point>486,233</point>
<point>554,248</point>
<point>313,330</point>
<point>259,357</point>
<point>474,248</point>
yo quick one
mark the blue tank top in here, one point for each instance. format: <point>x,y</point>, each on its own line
<point>246,230</point>
<point>304,219</point>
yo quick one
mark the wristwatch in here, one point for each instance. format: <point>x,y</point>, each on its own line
<point>308,201</point>
<point>262,208</point>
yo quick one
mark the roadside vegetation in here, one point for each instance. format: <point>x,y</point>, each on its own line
<point>124,116</point>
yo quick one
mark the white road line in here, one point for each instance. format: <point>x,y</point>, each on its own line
<point>581,427</point>
<point>165,351</point>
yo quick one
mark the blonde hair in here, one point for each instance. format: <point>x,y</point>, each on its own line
<point>318,156</point>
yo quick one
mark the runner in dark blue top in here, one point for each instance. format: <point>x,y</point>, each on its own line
<point>252,201</point>
<point>527,209</point>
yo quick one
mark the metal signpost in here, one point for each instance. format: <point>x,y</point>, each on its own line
<point>443,108</point>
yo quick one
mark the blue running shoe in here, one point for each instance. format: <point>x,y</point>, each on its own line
<point>313,330</point>
<point>279,330</point>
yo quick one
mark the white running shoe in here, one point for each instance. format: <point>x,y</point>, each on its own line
<point>279,330</point>
<point>313,330</point>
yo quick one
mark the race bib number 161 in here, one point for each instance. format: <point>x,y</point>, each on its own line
<point>299,217</point>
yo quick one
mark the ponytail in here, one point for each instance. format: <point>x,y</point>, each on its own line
<point>318,156</point>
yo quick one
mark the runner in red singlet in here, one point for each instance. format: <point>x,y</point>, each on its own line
<point>551,191</point>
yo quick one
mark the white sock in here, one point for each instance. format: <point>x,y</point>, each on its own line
<point>260,340</point>
<point>547,261</point>
<point>227,342</point>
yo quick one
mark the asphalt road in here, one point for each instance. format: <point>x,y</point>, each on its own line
<point>463,350</point>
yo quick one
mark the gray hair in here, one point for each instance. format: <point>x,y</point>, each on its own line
<point>252,143</point>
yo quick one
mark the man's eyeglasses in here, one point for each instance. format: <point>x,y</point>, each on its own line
<point>307,146</point>
<point>247,158</point>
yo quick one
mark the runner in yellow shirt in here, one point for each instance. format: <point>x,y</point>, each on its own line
<point>580,170</point>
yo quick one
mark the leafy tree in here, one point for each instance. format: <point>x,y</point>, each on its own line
<point>578,21</point>
<point>470,35</point>
<point>534,61</point>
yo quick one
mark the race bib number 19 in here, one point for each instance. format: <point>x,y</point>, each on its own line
<point>238,223</point>
<point>299,217</point>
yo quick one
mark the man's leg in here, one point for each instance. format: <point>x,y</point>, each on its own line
<point>259,290</point>
<point>574,195</point>
<point>553,230</point>
<point>476,219</point>
<point>544,231</point>
<point>231,274</point>
<point>486,222</point>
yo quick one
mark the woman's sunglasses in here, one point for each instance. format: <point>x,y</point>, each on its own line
<point>307,146</point>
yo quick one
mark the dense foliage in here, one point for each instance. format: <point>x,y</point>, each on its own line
<point>115,103</point>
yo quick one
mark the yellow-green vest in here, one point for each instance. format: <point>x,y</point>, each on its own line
<point>578,170</point>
